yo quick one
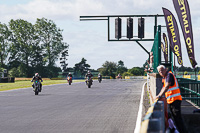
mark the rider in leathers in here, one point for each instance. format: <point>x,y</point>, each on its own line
<point>88,75</point>
<point>37,77</point>
<point>100,76</point>
<point>69,75</point>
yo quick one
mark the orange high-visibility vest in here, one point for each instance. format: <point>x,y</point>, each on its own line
<point>173,93</point>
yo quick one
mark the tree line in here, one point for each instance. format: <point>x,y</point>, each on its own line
<point>186,70</point>
<point>108,68</point>
<point>113,69</point>
<point>27,48</point>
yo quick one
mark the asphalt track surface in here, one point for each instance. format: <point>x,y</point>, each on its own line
<point>108,107</point>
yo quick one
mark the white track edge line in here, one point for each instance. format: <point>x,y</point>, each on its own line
<point>139,116</point>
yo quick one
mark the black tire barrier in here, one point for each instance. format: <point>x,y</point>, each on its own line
<point>7,80</point>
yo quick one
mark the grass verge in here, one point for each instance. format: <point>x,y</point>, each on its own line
<point>26,84</point>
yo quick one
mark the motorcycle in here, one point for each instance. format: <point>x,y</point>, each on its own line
<point>89,82</point>
<point>37,88</point>
<point>119,77</point>
<point>99,79</point>
<point>69,79</point>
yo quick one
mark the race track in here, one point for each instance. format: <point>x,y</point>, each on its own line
<point>107,107</point>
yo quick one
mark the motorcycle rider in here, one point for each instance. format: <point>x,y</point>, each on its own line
<point>69,75</point>
<point>88,76</point>
<point>38,78</point>
<point>100,76</point>
<point>119,76</point>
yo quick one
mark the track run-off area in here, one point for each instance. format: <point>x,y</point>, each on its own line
<point>108,107</point>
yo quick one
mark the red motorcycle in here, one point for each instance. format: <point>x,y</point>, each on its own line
<point>119,76</point>
<point>69,79</point>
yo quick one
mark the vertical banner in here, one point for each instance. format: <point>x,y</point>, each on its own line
<point>173,34</point>
<point>183,12</point>
<point>163,50</point>
<point>162,47</point>
<point>166,46</point>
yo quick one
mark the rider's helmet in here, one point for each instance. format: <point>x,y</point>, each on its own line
<point>69,73</point>
<point>88,71</point>
<point>36,75</point>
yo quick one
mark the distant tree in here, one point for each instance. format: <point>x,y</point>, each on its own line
<point>121,68</point>
<point>5,36</point>
<point>109,69</point>
<point>120,63</point>
<point>23,38</point>
<point>100,70</point>
<point>38,60</point>
<point>126,74</point>
<point>51,39</point>
<point>81,67</point>
<point>63,60</point>
<point>14,72</point>
<point>70,69</point>
<point>31,48</point>
<point>182,69</point>
<point>137,71</point>
<point>1,70</point>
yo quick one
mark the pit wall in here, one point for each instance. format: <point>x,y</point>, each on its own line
<point>154,85</point>
<point>135,77</point>
<point>191,119</point>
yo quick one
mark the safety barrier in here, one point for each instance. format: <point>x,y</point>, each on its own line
<point>135,77</point>
<point>154,120</point>
<point>7,80</point>
<point>190,89</point>
<point>103,77</point>
<point>189,76</point>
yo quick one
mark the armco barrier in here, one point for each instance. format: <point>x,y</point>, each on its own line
<point>154,120</point>
<point>29,79</point>
<point>7,80</point>
<point>103,77</point>
<point>135,77</point>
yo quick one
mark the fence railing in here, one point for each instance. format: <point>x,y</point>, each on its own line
<point>189,76</point>
<point>190,89</point>
<point>154,120</point>
<point>135,77</point>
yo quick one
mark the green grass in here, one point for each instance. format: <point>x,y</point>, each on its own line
<point>26,84</point>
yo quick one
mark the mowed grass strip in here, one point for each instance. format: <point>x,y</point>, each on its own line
<point>27,84</point>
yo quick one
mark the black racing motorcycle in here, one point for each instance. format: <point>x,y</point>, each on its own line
<point>89,82</point>
<point>37,88</point>
<point>99,78</point>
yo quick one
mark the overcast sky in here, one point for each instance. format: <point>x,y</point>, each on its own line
<point>88,39</point>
